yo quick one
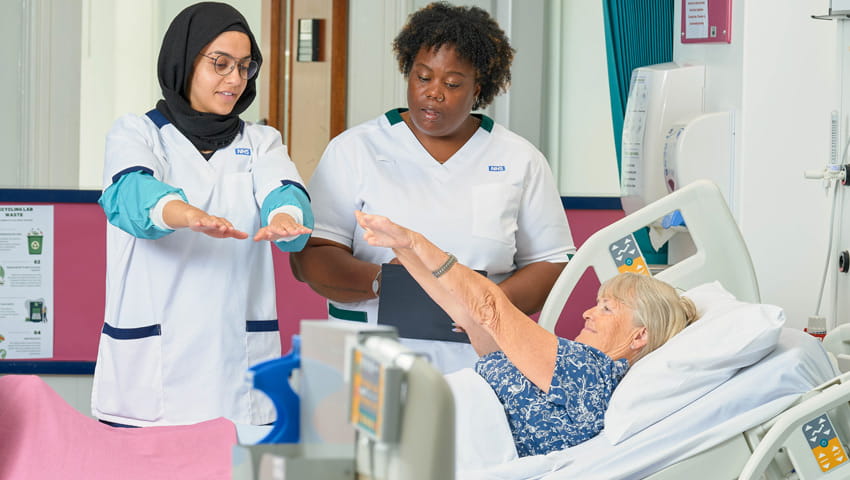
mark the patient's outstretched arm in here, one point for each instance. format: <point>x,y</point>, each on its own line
<point>470,299</point>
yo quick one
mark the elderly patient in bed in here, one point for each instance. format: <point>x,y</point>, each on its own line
<point>554,391</point>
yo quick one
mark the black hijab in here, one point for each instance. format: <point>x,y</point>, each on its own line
<point>189,32</point>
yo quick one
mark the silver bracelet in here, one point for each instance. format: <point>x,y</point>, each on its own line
<point>445,266</point>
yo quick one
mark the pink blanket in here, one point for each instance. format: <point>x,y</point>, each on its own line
<point>42,437</point>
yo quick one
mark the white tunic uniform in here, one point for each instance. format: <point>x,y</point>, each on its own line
<point>493,204</point>
<point>187,314</point>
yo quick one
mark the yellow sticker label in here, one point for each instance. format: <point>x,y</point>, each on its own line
<point>830,456</point>
<point>634,265</point>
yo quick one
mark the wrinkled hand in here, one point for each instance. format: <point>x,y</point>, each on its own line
<point>382,232</point>
<point>282,226</point>
<point>216,227</point>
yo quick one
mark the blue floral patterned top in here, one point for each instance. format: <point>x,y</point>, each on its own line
<point>572,412</point>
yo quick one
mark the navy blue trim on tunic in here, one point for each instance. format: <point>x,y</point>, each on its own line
<point>261,326</point>
<point>157,118</point>
<point>135,168</point>
<point>296,185</point>
<point>132,333</point>
<point>116,424</point>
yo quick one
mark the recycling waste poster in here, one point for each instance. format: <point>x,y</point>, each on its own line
<point>26,281</point>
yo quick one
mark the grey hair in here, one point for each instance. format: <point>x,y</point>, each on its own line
<point>655,305</point>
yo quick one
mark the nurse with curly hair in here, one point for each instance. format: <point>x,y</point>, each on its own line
<point>471,185</point>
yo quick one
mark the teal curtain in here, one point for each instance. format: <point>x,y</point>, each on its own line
<point>637,33</point>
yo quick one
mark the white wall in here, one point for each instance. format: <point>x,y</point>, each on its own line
<point>578,131</point>
<point>11,32</point>
<point>842,284</point>
<point>118,74</point>
<point>374,84</point>
<point>40,81</point>
<point>779,78</point>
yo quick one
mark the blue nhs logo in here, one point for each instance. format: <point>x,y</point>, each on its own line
<point>496,168</point>
<point>243,151</point>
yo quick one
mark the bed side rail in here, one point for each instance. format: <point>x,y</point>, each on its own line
<point>721,252</point>
<point>789,434</point>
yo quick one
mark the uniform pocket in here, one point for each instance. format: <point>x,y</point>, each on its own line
<point>495,210</point>
<point>263,340</point>
<point>129,373</point>
<point>262,343</point>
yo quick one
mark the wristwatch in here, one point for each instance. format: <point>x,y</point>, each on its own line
<point>376,284</point>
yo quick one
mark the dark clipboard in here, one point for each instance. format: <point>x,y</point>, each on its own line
<point>405,305</point>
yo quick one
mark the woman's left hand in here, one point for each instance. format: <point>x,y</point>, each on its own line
<point>283,226</point>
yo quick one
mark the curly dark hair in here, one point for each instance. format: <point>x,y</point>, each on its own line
<point>475,36</point>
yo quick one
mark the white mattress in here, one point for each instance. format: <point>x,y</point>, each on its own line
<point>753,395</point>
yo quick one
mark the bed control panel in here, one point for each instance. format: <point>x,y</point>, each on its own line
<point>824,443</point>
<point>627,256</point>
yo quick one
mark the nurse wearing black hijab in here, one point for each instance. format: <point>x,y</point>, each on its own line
<point>190,300</point>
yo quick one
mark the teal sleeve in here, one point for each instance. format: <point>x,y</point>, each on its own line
<point>128,201</point>
<point>289,194</point>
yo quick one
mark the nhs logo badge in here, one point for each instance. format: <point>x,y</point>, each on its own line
<point>496,168</point>
<point>243,151</point>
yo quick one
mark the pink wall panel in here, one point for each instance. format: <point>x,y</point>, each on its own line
<point>583,224</point>
<point>79,280</point>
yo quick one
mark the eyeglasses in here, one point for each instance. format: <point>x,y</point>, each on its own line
<point>224,64</point>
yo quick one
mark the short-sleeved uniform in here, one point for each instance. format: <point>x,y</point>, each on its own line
<point>493,204</point>
<point>186,314</point>
<point>574,409</point>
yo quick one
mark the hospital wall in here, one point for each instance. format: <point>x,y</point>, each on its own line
<point>79,288</point>
<point>779,77</point>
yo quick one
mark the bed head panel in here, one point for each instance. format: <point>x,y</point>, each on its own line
<point>721,253</point>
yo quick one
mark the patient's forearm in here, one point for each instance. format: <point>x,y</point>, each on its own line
<point>470,299</point>
<point>474,301</point>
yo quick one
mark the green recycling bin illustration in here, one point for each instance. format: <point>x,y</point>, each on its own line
<point>36,310</point>
<point>35,240</point>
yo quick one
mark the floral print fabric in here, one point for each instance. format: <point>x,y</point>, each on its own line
<point>572,412</point>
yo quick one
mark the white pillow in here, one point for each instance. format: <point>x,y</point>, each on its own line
<point>728,336</point>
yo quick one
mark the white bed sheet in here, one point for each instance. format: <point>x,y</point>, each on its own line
<point>752,396</point>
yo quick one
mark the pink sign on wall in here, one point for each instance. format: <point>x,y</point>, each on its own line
<point>706,21</point>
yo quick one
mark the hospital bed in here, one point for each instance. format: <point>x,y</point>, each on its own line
<point>781,412</point>
<point>736,395</point>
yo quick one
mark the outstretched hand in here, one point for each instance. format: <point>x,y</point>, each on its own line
<point>216,227</point>
<point>382,232</point>
<point>282,226</point>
